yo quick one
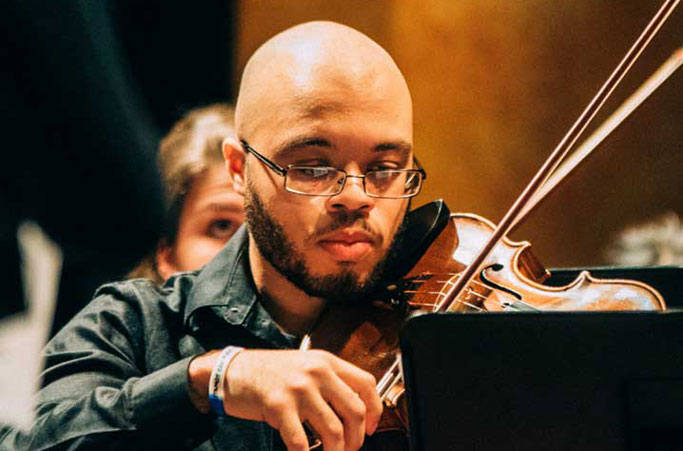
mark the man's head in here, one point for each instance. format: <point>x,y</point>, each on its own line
<point>321,94</point>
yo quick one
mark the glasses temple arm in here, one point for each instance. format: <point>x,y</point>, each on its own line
<point>272,165</point>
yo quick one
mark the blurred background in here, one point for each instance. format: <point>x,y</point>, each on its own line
<point>495,86</point>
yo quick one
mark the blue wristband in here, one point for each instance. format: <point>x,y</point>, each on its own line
<point>217,405</point>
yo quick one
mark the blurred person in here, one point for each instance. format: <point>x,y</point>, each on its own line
<point>656,242</point>
<point>202,209</point>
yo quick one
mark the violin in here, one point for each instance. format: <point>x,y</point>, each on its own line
<point>464,263</point>
<point>366,334</point>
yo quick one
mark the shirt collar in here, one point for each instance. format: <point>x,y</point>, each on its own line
<point>226,285</point>
<point>226,282</point>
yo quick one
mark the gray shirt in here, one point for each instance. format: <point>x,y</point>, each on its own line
<point>116,375</point>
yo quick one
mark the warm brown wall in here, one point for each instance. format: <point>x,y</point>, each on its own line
<point>496,85</point>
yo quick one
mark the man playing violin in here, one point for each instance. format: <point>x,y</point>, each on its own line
<point>325,163</point>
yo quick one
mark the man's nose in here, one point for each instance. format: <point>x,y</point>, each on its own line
<point>351,197</point>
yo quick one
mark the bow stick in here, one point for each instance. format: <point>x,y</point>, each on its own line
<point>601,133</point>
<point>560,152</point>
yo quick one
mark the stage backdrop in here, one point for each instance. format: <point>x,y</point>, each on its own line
<point>496,85</point>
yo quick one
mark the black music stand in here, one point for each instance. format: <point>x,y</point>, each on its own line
<point>559,381</point>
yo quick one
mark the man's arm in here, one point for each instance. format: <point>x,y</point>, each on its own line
<point>100,388</point>
<point>113,381</point>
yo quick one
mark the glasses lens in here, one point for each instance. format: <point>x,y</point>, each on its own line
<point>393,183</point>
<point>313,180</point>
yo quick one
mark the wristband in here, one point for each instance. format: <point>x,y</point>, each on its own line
<point>218,377</point>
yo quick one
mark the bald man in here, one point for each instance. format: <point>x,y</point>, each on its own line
<point>324,161</point>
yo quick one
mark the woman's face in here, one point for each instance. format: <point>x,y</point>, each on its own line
<point>211,214</point>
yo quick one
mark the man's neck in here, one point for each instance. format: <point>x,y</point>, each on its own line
<point>291,308</point>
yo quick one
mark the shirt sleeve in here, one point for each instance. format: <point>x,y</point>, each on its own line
<point>98,391</point>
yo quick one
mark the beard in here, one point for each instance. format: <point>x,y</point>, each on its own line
<point>274,245</point>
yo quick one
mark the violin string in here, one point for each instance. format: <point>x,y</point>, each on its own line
<point>456,275</point>
<point>434,304</point>
<point>473,282</point>
<point>473,306</point>
<point>394,374</point>
<point>441,293</point>
<point>461,301</point>
<point>438,293</point>
<point>390,378</point>
<point>469,291</point>
<point>499,302</point>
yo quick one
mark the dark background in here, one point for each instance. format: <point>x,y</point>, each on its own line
<point>91,88</point>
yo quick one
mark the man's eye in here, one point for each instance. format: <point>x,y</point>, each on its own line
<point>383,167</point>
<point>315,173</point>
<point>221,229</point>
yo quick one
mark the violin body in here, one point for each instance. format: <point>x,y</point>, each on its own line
<point>366,333</point>
<point>513,276</point>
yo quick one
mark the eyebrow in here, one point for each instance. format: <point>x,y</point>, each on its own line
<point>401,146</point>
<point>219,207</point>
<point>300,143</point>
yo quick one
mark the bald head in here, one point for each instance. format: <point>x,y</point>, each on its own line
<point>317,98</point>
<point>312,69</point>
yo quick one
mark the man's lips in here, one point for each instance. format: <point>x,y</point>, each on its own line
<point>347,246</point>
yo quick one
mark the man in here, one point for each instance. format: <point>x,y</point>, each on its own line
<point>324,161</point>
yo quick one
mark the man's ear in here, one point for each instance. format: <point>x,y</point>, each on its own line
<point>165,262</point>
<point>234,156</point>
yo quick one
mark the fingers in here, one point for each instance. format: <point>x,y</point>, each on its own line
<point>292,431</point>
<point>326,424</point>
<point>288,415</point>
<point>284,388</point>
<point>349,407</point>
<point>364,384</point>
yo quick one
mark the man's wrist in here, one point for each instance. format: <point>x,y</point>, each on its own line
<point>198,376</point>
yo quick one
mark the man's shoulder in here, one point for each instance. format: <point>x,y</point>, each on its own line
<point>134,307</point>
<point>147,294</point>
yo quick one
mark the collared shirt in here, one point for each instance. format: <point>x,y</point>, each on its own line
<point>116,375</point>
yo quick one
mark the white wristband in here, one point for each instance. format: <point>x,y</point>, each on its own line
<point>216,381</point>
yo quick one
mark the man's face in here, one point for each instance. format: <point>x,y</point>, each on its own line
<point>328,246</point>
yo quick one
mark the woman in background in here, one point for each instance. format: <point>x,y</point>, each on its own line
<point>202,210</point>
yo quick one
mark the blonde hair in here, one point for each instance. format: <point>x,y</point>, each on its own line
<point>191,147</point>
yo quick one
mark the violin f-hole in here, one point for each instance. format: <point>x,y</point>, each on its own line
<point>497,267</point>
<point>518,305</point>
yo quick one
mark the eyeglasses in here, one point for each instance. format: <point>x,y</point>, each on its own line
<point>329,181</point>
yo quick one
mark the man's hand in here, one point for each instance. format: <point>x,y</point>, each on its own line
<point>286,388</point>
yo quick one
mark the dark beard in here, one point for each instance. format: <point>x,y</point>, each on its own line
<point>278,250</point>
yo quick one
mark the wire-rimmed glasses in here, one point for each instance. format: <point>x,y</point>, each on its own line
<point>329,181</point>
